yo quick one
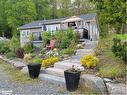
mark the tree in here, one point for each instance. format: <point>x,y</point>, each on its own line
<point>3,23</point>
<point>111,12</point>
<point>42,8</point>
<point>19,12</point>
<point>82,6</point>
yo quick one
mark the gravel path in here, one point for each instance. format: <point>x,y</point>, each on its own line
<point>41,88</point>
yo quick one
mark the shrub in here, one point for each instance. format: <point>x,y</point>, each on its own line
<point>4,47</point>
<point>70,50</point>
<point>119,47</point>
<point>89,61</point>
<point>46,37</point>
<point>14,44</point>
<point>112,70</point>
<point>49,61</point>
<point>28,47</point>
<point>37,60</point>
<point>10,55</point>
<point>68,37</point>
<point>28,58</point>
<point>31,37</point>
<point>58,38</point>
<point>20,53</point>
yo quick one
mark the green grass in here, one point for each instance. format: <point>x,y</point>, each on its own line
<point>110,65</point>
<point>15,75</point>
<point>84,91</point>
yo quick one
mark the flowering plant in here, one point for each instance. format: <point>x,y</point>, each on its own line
<point>49,61</point>
<point>74,68</point>
<point>89,61</point>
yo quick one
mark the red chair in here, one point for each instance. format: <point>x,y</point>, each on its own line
<point>51,45</point>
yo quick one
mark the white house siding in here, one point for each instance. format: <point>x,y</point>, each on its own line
<point>24,35</point>
<point>53,27</point>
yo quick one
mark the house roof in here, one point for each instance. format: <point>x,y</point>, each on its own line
<point>38,24</point>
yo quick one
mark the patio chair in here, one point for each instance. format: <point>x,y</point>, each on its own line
<point>51,45</point>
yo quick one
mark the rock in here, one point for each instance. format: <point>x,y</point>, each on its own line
<point>79,46</point>
<point>116,89</point>
<point>25,70</point>
<point>93,83</point>
<point>18,64</point>
<point>107,80</point>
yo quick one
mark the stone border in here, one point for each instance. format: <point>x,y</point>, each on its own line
<point>101,86</point>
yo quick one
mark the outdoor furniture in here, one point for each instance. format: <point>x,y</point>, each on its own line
<point>51,45</point>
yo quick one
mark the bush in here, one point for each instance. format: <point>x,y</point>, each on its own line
<point>89,61</point>
<point>49,61</point>
<point>14,44</point>
<point>70,50</point>
<point>112,70</point>
<point>28,58</point>
<point>58,38</point>
<point>20,53</point>
<point>28,47</point>
<point>68,37</point>
<point>37,60</point>
<point>46,37</point>
<point>119,47</point>
<point>10,55</point>
<point>4,47</point>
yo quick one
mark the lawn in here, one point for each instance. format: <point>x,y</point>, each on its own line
<point>110,65</point>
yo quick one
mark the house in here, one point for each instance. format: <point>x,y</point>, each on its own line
<point>85,24</point>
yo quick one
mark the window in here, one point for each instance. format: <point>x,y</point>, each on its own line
<point>25,33</point>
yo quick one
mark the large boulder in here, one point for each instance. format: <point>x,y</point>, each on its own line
<point>116,88</point>
<point>18,64</point>
<point>25,70</point>
<point>93,83</point>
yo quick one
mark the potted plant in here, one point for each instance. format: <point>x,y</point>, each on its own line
<point>34,65</point>
<point>72,77</point>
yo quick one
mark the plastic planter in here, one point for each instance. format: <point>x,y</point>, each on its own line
<point>34,70</point>
<point>72,80</point>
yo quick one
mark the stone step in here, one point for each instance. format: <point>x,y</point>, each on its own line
<point>53,79</point>
<point>54,71</point>
<point>67,65</point>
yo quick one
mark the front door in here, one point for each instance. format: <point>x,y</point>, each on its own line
<point>85,34</point>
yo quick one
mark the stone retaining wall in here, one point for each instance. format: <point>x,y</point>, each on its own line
<point>97,84</point>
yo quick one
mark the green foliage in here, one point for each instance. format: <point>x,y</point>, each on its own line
<point>112,70</point>
<point>89,61</point>
<point>42,9</point>
<point>31,37</point>
<point>119,47</point>
<point>14,44</point>
<point>68,37</point>
<point>46,36</point>
<point>4,47</point>
<point>29,48</point>
<point>19,12</point>
<point>111,13</point>
<point>58,37</point>
<point>10,55</point>
<point>37,60</point>
<point>70,50</point>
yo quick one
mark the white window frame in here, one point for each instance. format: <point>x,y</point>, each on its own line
<point>25,33</point>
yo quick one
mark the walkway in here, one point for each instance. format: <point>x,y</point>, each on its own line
<point>56,74</point>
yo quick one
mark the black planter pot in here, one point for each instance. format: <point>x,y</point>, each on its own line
<point>34,70</point>
<point>72,79</point>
